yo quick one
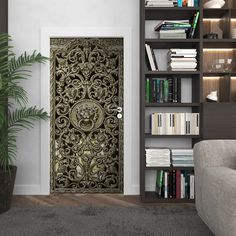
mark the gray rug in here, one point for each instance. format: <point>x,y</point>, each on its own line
<point>102,221</point>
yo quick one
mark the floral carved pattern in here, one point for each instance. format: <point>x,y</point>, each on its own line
<point>86,135</point>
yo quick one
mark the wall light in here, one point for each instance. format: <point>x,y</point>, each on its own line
<point>219,49</point>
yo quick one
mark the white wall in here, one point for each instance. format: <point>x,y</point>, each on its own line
<point>26,18</point>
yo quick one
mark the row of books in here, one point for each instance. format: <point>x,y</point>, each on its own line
<point>182,59</point>
<point>171,3</point>
<point>174,123</point>
<point>175,184</point>
<point>177,59</point>
<point>177,29</point>
<point>159,90</point>
<point>165,157</point>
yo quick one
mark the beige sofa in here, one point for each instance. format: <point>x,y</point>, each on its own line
<point>215,185</point>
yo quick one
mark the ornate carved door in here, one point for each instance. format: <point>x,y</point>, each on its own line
<point>86,115</point>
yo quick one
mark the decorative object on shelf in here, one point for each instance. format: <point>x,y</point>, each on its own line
<point>212,97</point>
<point>210,36</point>
<point>220,65</point>
<point>214,4</point>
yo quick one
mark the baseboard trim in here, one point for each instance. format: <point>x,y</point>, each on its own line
<point>27,190</point>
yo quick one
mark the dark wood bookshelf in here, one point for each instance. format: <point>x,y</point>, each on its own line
<point>217,120</point>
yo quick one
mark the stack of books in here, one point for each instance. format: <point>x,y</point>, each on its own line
<point>175,184</point>
<point>182,59</point>
<point>161,3</point>
<point>173,29</point>
<point>182,157</point>
<point>157,157</point>
<point>174,123</point>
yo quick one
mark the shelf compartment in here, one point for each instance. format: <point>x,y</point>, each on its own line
<point>148,135</point>
<point>172,104</point>
<point>168,43</point>
<point>151,197</point>
<point>172,13</point>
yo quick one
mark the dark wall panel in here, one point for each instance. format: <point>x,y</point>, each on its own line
<point>219,121</point>
<point>3,16</point>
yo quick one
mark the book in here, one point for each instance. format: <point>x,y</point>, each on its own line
<point>194,25</point>
<point>178,184</point>
<point>150,57</point>
<point>192,190</point>
<point>147,94</point>
<point>159,182</point>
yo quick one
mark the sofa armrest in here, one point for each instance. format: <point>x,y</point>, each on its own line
<point>212,153</point>
<point>219,202</point>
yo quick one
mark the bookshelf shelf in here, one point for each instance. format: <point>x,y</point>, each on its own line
<point>215,13</point>
<point>219,43</point>
<point>172,13</point>
<point>170,168</point>
<point>167,43</point>
<point>172,104</point>
<point>184,73</point>
<point>147,135</point>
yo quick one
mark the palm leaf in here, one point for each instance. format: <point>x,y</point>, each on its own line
<point>12,70</point>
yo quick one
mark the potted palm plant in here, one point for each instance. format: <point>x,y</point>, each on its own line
<point>14,113</point>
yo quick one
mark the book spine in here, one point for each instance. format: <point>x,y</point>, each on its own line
<point>179,3</point>
<point>165,95</point>
<point>182,186</point>
<point>192,187</point>
<point>194,25</point>
<point>166,184</point>
<point>174,183</point>
<point>170,89</point>
<point>178,184</point>
<point>178,89</point>
<point>147,90</point>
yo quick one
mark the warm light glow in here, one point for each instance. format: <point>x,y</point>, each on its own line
<point>211,19</point>
<point>233,77</point>
<point>218,49</point>
<point>211,77</point>
<point>233,19</point>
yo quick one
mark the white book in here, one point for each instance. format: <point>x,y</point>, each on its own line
<point>183,50</point>
<point>182,123</point>
<point>194,123</point>
<point>172,31</point>
<point>173,59</point>
<point>160,123</point>
<point>154,124</point>
<point>192,190</point>
<point>169,123</point>
<point>176,123</point>
<point>150,57</point>
<point>182,185</point>
<point>182,69</point>
<point>166,185</point>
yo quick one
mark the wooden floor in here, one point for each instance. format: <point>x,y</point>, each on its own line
<point>84,199</point>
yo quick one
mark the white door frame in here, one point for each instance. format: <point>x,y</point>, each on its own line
<point>125,33</point>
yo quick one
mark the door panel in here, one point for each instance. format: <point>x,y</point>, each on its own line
<point>86,101</point>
